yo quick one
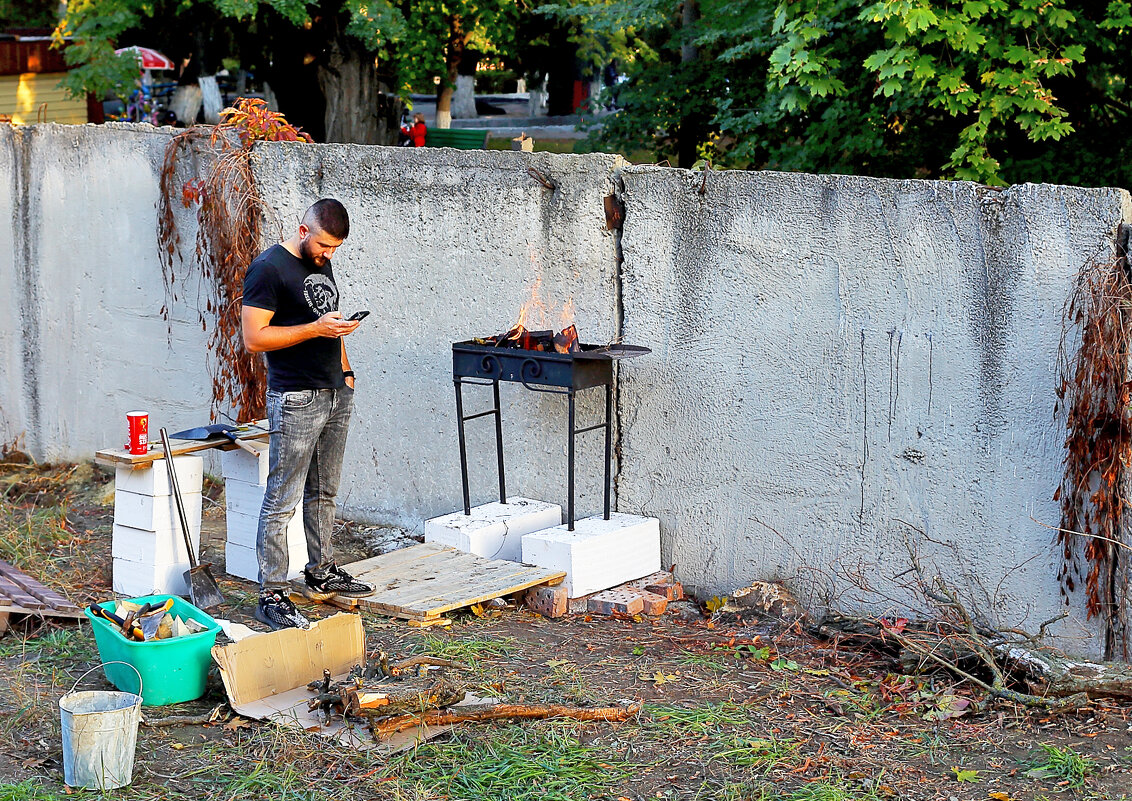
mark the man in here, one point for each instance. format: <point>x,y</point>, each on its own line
<point>290,312</point>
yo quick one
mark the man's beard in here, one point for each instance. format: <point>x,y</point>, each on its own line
<point>309,257</point>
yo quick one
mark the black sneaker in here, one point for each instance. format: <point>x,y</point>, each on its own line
<point>277,611</point>
<point>324,584</point>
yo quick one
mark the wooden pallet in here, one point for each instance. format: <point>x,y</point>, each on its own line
<point>20,594</point>
<point>423,582</point>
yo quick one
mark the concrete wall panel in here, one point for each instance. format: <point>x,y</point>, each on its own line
<point>446,245</point>
<point>843,363</point>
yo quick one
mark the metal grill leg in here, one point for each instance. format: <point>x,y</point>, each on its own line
<point>570,468</point>
<point>499,443</point>
<point>608,442</point>
<point>464,448</point>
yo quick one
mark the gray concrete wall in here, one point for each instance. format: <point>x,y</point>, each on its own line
<point>446,245</point>
<point>84,338</point>
<point>839,363</point>
<point>844,363</point>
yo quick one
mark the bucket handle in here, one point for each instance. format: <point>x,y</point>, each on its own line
<point>104,664</point>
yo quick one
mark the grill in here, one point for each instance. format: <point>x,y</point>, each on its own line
<point>556,373</point>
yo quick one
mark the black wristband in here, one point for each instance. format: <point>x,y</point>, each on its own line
<point>347,373</point>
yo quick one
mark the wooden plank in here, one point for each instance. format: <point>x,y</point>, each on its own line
<point>34,588</point>
<point>13,592</point>
<point>119,456</point>
<point>446,601</point>
<point>424,581</point>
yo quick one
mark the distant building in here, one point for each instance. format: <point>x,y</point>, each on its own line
<point>30,71</point>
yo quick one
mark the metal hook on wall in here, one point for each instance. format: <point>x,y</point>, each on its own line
<point>542,179</point>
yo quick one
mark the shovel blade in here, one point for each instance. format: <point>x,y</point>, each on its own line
<point>203,590</point>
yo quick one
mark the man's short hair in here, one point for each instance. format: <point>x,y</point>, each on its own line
<point>330,217</point>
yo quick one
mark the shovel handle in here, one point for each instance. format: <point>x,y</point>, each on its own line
<point>244,445</point>
<point>177,497</point>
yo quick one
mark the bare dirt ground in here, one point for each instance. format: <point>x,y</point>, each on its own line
<point>730,712</point>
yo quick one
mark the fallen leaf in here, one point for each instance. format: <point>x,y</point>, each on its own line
<point>782,663</point>
<point>716,603</point>
<point>237,723</point>
<point>962,775</point>
<point>553,663</point>
<point>999,796</point>
<point>659,677</point>
<point>177,746</point>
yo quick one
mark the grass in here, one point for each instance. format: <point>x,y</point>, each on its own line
<point>28,790</point>
<point>34,539</point>
<point>709,661</point>
<point>1062,765</point>
<point>515,763</point>
<point>468,651</point>
<point>725,732</point>
<point>55,647</point>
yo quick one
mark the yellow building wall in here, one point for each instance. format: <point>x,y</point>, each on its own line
<point>21,97</point>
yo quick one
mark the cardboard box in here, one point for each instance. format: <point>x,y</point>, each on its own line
<point>266,677</point>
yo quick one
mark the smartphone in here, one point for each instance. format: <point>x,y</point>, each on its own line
<point>359,315</point>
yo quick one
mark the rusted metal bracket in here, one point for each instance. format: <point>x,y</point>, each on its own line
<point>542,179</point>
<point>614,213</point>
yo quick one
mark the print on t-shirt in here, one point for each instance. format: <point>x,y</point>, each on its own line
<point>320,293</point>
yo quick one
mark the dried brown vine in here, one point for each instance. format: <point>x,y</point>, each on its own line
<point>231,218</point>
<point>1093,393</point>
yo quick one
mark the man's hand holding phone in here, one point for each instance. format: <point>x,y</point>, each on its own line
<point>332,325</point>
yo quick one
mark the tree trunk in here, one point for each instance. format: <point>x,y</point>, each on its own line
<point>464,99</point>
<point>453,55</point>
<point>688,134</point>
<point>359,107</point>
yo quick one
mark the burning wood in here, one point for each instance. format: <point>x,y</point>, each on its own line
<point>567,340</point>
<point>521,338</point>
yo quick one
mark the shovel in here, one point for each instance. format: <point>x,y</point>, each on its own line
<point>208,432</point>
<point>203,591</point>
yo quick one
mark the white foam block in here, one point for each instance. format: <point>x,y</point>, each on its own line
<point>598,553</point>
<point>240,465</point>
<point>152,547</point>
<point>156,512</point>
<point>494,530</point>
<point>244,563</point>
<point>134,579</point>
<point>242,497</point>
<point>154,480</point>
<point>243,528</point>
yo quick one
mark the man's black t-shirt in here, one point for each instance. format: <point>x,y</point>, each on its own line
<point>298,293</point>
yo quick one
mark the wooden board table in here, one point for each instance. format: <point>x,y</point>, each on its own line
<point>424,581</point>
<point>120,457</point>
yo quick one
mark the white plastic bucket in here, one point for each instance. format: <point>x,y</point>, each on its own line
<point>100,733</point>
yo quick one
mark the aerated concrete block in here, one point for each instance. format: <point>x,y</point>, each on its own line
<point>146,578</point>
<point>154,480</point>
<point>152,547</point>
<point>156,512</point>
<point>242,497</point>
<point>599,553</point>
<point>243,562</point>
<point>243,528</point>
<point>493,530</point>
<point>240,465</point>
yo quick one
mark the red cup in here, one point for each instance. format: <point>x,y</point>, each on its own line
<point>138,423</point>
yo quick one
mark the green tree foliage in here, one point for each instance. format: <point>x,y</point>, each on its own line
<point>986,90</point>
<point>408,41</point>
<point>24,14</point>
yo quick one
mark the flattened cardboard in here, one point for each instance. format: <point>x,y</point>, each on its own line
<point>266,677</point>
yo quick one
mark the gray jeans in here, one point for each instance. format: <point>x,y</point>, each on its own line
<point>306,464</point>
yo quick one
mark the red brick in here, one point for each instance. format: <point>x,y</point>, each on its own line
<point>607,602</point>
<point>669,590</point>
<point>653,604</point>
<point>547,601</point>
